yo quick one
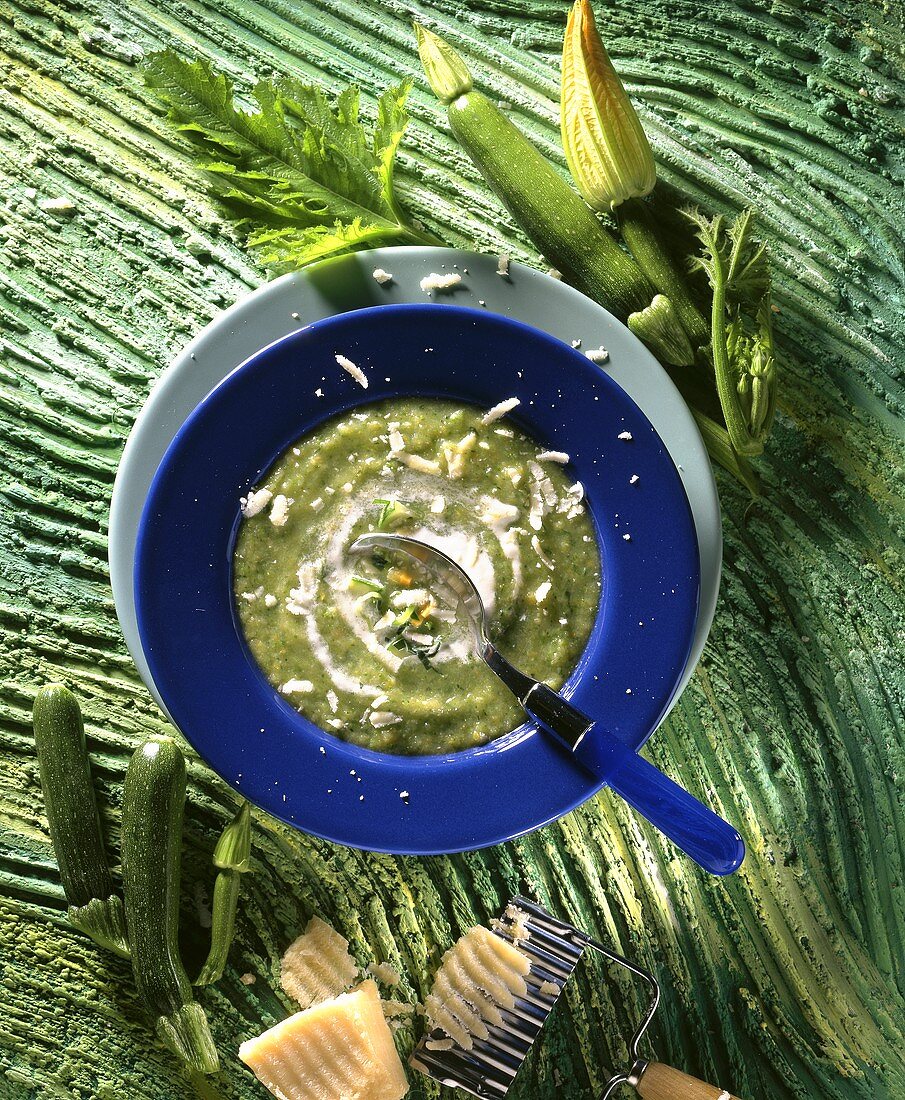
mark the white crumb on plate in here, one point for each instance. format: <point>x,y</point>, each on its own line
<point>597,355</point>
<point>502,266</point>
<point>627,537</point>
<point>381,276</point>
<point>634,479</point>
<point>576,343</point>
<point>500,410</point>
<point>435,281</point>
<point>351,369</point>
<point>256,501</point>
<point>553,456</point>
<point>625,435</point>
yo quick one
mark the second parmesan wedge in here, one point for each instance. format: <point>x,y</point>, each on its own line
<point>480,975</point>
<point>317,965</point>
<point>341,1049</point>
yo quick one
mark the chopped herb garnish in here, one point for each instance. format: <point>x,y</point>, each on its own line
<point>392,514</point>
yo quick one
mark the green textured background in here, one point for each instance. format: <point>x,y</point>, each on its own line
<point>786,981</point>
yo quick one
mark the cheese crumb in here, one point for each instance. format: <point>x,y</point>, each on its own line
<point>418,463</point>
<point>333,700</point>
<point>270,600</point>
<point>381,276</point>
<point>387,973</point>
<point>502,266</point>
<point>500,410</point>
<point>292,687</point>
<point>627,537</point>
<point>538,549</point>
<point>350,368</point>
<point>279,513</point>
<point>381,718</point>
<point>598,355</point>
<point>625,435</point>
<point>438,504</point>
<point>255,502</point>
<point>553,456</point>
<point>61,205</point>
<point>434,281</point>
<point>550,988</point>
<point>439,1044</point>
<point>248,979</point>
<point>542,592</point>
<point>633,479</point>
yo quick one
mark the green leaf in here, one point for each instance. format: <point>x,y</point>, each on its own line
<point>741,334</point>
<point>298,175</point>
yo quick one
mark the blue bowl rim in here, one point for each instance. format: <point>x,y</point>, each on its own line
<point>279,708</point>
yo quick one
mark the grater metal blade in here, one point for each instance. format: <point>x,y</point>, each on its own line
<point>554,949</point>
<point>488,1069</point>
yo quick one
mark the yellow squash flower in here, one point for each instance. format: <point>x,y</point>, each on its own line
<point>606,148</point>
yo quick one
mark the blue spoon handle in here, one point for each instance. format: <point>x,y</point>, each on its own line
<point>689,824</point>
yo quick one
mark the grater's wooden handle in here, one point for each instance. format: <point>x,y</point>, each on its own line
<point>659,1082</point>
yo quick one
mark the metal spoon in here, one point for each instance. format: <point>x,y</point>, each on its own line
<point>697,830</point>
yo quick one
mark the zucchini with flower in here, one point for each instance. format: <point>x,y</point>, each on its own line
<point>232,858</point>
<point>560,224</point>
<point>611,161</point>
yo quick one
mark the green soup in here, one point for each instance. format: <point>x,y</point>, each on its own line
<point>365,646</point>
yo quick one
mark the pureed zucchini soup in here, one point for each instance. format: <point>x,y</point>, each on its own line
<point>367,646</point>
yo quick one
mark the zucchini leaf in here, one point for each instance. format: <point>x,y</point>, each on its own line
<point>299,176</point>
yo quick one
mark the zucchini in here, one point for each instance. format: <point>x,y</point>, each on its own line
<point>153,801</point>
<point>232,858</point>
<point>559,222</point>
<point>72,814</point>
<point>642,235</point>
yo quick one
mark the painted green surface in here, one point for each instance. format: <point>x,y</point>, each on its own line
<point>322,627</point>
<point>786,981</point>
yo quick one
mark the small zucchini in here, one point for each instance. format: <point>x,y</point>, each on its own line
<point>232,858</point>
<point>559,222</point>
<point>153,801</point>
<point>75,827</point>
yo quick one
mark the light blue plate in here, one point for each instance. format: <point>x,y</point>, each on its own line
<point>337,286</point>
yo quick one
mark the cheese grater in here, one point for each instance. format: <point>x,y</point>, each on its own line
<point>554,949</point>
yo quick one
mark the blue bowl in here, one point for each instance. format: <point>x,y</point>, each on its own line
<point>252,737</point>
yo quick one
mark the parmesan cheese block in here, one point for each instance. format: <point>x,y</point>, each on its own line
<point>480,975</point>
<point>341,1049</point>
<point>317,965</point>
